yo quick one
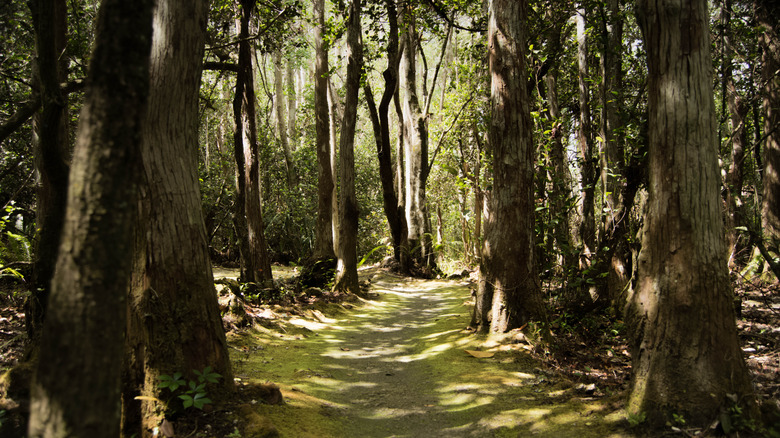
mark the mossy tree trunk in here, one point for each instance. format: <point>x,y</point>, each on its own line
<point>686,355</point>
<point>174,323</point>
<point>76,388</point>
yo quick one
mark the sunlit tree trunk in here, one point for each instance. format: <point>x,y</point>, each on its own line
<point>508,275</point>
<point>324,232</point>
<point>174,321</point>
<point>280,101</point>
<point>415,148</point>
<point>686,355</point>
<point>76,388</point>
<point>248,217</point>
<point>346,274</point>
<point>587,230</point>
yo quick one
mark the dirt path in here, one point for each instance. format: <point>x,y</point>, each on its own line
<point>396,366</point>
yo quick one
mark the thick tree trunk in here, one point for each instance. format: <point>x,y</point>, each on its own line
<point>508,276</point>
<point>248,221</point>
<point>76,389</point>
<point>51,142</point>
<point>323,240</point>
<point>686,355</point>
<point>587,230</point>
<point>174,321</point>
<point>768,15</point>
<point>346,275</point>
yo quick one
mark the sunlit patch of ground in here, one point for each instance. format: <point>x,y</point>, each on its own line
<point>396,366</point>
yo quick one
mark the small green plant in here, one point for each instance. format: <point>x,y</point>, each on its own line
<point>234,434</point>
<point>678,420</point>
<point>636,419</point>
<point>192,393</point>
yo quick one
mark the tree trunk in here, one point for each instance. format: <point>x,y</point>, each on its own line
<point>281,118</point>
<point>768,15</point>
<point>738,112</point>
<point>587,229</point>
<point>346,274</point>
<point>415,150</point>
<point>51,162</point>
<point>508,276</point>
<point>381,121</point>
<point>292,111</point>
<point>324,232</point>
<point>76,389</point>
<point>174,321</point>
<point>248,217</point>
<point>686,355</point>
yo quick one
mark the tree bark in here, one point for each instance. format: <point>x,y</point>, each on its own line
<point>381,122</point>
<point>346,273</point>
<point>174,322</point>
<point>324,232</point>
<point>281,117</point>
<point>686,355</point>
<point>248,217</point>
<point>77,380</point>
<point>587,230</point>
<point>508,275</point>
<point>51,153</point>
<point>768,17</point>
<point>415,150</point>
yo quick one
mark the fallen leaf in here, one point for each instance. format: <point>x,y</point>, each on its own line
<point>480,354</point>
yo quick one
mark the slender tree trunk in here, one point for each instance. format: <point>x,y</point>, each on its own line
<point>587,229</point>
<point>292,110</point>
<point>738,112</point>
<point>51,162</point>
<point>280,102</point>
<point>334,116</point>
<point>508,276</point>
<point>686,355</point>
<point>768,15</point>
<point>415,150</point>
<point>612,146</point>
<point>346,274</point>
<point>381,121</point>
<point>324,232</point>
<point>76,389</point>
<point>174,322</point>
<point>255,263</point>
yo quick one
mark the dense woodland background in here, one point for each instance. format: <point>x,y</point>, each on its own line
<point>296,132</point>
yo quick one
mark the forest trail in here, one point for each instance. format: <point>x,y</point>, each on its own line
<point>396,366</point>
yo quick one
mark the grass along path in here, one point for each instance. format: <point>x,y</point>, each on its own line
<point>397,366</point>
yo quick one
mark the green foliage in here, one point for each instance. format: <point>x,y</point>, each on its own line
<point>192,393</point>
<point>636,419</point>
<point>14,247</point>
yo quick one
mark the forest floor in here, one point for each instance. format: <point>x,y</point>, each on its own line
<point>401,362</point>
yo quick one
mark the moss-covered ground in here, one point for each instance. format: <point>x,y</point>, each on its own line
<point>396,365</point>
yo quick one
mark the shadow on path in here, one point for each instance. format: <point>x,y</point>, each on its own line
<point>397,367</point>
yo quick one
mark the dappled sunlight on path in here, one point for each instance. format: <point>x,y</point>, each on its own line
<point>396,366</point>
